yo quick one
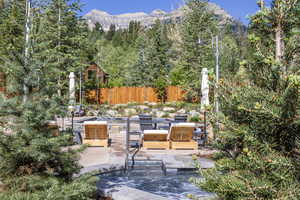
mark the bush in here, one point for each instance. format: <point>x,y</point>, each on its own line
<point>258,145</point>
<point>195,119</point>
<point>49,188</point>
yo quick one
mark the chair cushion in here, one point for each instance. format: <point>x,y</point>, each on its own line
<point>182,131</point>
<point>184,124</point>
<point>155,135</point>
<point>156,132</point>
<point>95,123</point>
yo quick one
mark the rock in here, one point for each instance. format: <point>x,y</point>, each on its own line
<point>118,106</point>
<point>160,114</point>
<point>130,111</point>
<point>169,109</point>
<point>118,115</point>
<point>154,111</point>
<point>106,106</point>
<point>112,113</point>
<point>194,113</point>
<point>148,19</point>
<point>172,115</point>
<point>152,104</point>
<point>92,113</point>
<point>181,111</point>
<point>142,107</point>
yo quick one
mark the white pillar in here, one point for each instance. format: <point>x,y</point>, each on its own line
<point>204,89</point>
<point>72,90</point>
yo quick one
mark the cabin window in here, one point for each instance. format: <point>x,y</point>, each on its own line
<point>92,74</point>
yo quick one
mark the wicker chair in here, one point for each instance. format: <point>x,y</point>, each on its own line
<point>181,136</point>
<point>180,118</point>
<point>146,122</point>
<point>96,133</point>
<point>156,139</point>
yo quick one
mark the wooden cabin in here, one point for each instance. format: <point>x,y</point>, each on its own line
<point>96,73</point>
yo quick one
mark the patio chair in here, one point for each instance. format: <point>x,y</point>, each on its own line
<point>177,119</point>
<point>53,128</point>
<point>146,122</point>
<point>180,118</point>
<point>181,136</point>
<point>96,133</point>
<point>156,139</point>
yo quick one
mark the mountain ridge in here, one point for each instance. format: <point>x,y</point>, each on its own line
<point>147,19</point>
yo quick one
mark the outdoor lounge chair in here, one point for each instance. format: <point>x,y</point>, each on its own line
<point>181,136</point>
<point>177,119</point>
<point>146,122</point>
<point>180,118</point>
<point>53,128</point>
<point>96,133</point>
<point>156,139</point>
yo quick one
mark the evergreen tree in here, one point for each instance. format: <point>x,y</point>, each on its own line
<point>140,72</point>
<point>158,59</point>
<point>111,32</point>
<point>98,30</point>
<point>259,143</point>
<point>133,32</point>
<point>199,26</point>
<point>94,35</point>
<point>279,23</point>
<point>66,38</point>
<point>35,164</point>
<point>118,38</point>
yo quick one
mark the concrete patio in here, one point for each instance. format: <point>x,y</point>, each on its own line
<point>114,158</point>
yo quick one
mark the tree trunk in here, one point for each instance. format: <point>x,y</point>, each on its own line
<point>27,47</point>
<point>59,44</point>
<point>278,43</point>
<point>279,46</point>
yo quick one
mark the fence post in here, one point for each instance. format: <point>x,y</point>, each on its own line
<point>205,128</point>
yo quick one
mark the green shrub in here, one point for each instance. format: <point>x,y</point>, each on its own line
<point>195,119</point>
<point>258,147</point>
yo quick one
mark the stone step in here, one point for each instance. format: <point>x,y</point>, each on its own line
<point>128,193</point>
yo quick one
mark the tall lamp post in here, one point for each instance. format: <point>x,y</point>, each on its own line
<point>217,83</point>
<point>217,73</point>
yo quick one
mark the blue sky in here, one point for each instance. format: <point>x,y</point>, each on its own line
<point>239,9</point>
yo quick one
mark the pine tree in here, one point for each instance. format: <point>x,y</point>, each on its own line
<point>199,26</point>
<point>133,32</point>
<point>158,59</point>
<point>111,32</point>
<point>139,72</point>
<point>66,38</point>
<point>278,23</point>
<point>259,143</point>
<point>35,164</point>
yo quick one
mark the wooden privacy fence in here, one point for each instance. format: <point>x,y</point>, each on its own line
<point>124,95</point>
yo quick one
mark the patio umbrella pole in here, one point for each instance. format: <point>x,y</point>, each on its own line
<point>72,94</point>
<point>127,142</point>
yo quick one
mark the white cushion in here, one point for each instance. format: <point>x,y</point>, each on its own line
<point>95,123</point>
<point>184,124</point>
<point>156,132</point>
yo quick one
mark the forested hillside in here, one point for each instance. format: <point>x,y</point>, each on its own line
<point>168,53</point>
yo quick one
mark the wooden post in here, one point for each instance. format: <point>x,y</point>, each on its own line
<point>127,135</point>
